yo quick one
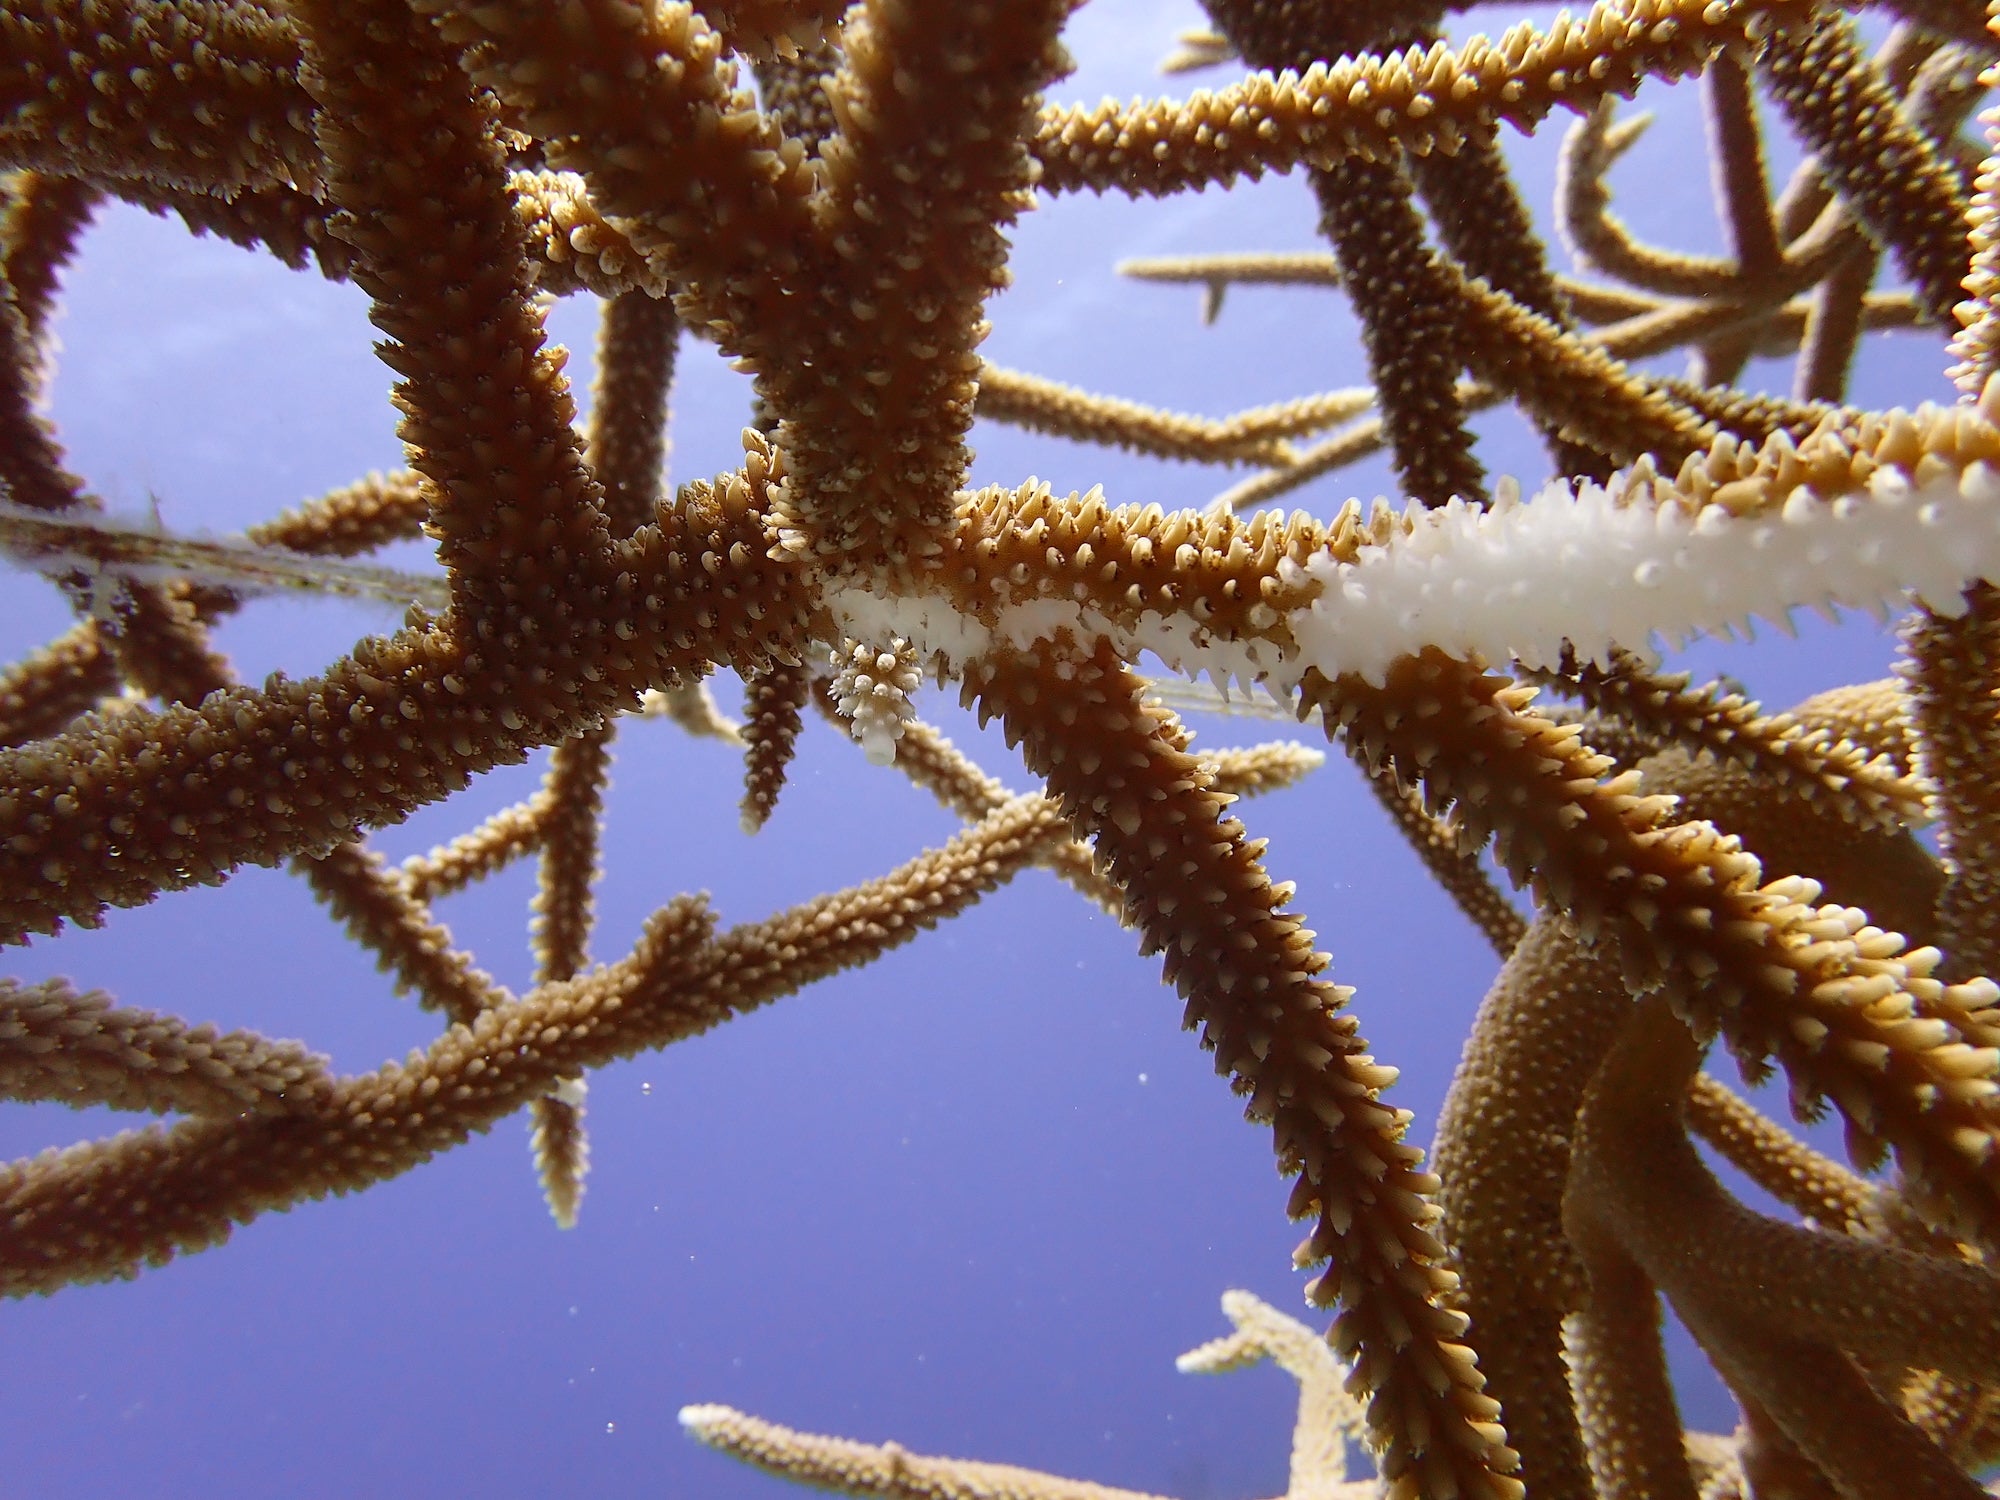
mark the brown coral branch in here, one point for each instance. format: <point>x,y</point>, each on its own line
<point>107,1208</point>
<point>1279,1033</point>
<point>81,1049</point>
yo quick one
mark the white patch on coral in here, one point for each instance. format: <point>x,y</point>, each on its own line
<point>1575,565</point>
<point>933,625</point>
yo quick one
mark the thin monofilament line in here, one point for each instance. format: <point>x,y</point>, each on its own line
<point>103,547</point>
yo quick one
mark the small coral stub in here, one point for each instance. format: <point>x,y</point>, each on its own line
<point>872,688</point>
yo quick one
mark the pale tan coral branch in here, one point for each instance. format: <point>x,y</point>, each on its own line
<point>82,1049</point>
<point>1874,715</point>
<point>578,774</point>
<point>1371,107</point>
<point>840,231</point>
<point>1730,110</point>
<point>41,219</point>
<point>1508,1124</point>
<point>510,834</point>
<point>374,510</point>
<point>1837,1000</point>
<point>1624,1397</point>
<point>1593,301</point>
<point>575,245</point>
<point>913,257</point>
<point>1198,48</point>
<point>1328,1418</point>
<point>1977,344</point>
<point>1318,1468</point>
<point>44,690</point>
<point>887,1470</point>
<point>1254,436</point>
<point>692,707</point>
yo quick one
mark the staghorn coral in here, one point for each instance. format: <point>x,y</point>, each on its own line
<point>457,165</point>
<point>1327,1419</point>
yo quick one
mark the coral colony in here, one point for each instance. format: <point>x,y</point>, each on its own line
<point>823,194</point>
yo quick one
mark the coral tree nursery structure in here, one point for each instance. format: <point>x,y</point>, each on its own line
<point>1701,872</point>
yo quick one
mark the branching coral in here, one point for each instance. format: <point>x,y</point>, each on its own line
<point>840,232</point>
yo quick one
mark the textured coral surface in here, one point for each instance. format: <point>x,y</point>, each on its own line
<point>656,688</point>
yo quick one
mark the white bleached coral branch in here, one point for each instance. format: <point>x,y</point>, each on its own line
<point>1586,565</point>
<point>1905,507</point>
